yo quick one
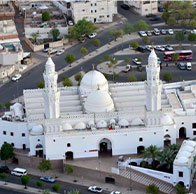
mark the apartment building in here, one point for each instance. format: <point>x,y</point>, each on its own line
<point>143,7</point>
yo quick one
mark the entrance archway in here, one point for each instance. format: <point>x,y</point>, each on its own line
<point>140,149</point>
<point>167,142</point>
<point>105,147</point>
<point>181,183</point>
<point>182,133</point>
<point>39,150</point>
<point>69,155</point>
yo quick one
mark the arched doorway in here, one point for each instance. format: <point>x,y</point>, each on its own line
<point>181,183</point>
<point>39,150</point>
<point>105,147</point>
<point>140,149</point>
<point>182,133</point>
<point>69,155</point>
<point>167,142</point>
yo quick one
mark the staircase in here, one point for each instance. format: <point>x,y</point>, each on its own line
<point>147,180</point>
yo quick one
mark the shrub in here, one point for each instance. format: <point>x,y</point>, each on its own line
<point>107,57</point>
<point>45,16</point>
<point>132,78</point>
<point>127,60</point>
<point>167,77</point>
<point>68,169</point>
<point>56,187</point>
<point>135,44</point>
<point>100,61</point>
<point>8,104</point>
<point>40,183</point>
<point>41,84</point>
<point>96,42</point>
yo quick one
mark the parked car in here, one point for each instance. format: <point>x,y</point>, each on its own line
<point>150,15</point>
<point>181,66</point>
<point>93,35</point>
<point>127,68</point>
<point>193,31</point>
<point>136,61</point>
<point>4,169</point>
<point>189,66</point>
<point>52,51</point>
<point>160,9</point>
<point>141,49</point>
<point>159,48</point>
<point>156,18</point>
<point>169,48</point>
<point>140,68</point>
<point>156,31</point>
<point>60,52</point>
<point>16,77</point>
<point>148,48</point>
<point>142,33</point>
<point>163,31</point>
<point>70,22</point>
<point>19,172</point>
<point>47,179</point>
<point>45,50</point>
<point>116,192</point>
<point>149,33</point>
<point>184,31</point>
<point>170,32</point>
<point>95,189</point>
<point>124,6</point>
<point>159,61</point>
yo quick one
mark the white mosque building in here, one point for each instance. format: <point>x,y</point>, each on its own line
<point>97,117</point>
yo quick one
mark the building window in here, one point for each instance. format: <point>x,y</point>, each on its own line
<point>146,2</point>
<point>23,134</point>
<point>146,9</point>
<point>95,4</point>
<point>108,16</point>
<point>91,4</point>
<point>155,133</point>
<point>91,11</point>
<point>167,130</point>
<point>180,174</point>
<point>5,141</point>
<point>140,139</point>
<point>194,125</point>
<point>194,132</point>
<point>4,132</point>
<point>38,140</point>
<point>182,123</point>
<point>11,133</point>
<point>12,144</point>
<point>83,10</point>
<point>95,11</point>
<point>53,140</point>
<point>68,145</point>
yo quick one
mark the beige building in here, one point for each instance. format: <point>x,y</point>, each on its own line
<point>143,7</point>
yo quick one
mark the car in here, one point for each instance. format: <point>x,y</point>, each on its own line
<point>184,31</point>
<point>60,52</point>
<point>193,31</point>
<point>141,49</point>
<point>116,192</point>
<point>169,48</point>
<point>148,48</point>
<point>150,15</point>
<point>4,169</point>
<point>127,68</point>
<point>149,33</point>
<point>19,172</point>
<point>159,48</point>
<point>47,179</point>
<point>70,23</point>
<point>82,39</point>
<point>142,33</point>
<point>156,31</point>
<point>52,51</point>
<point>136,61</point>
<point>93,35</point>
<point>181,66</point>
<point>140,68</point>
<point>124,6</point>
<point>189,66</point>
<point>163,31</point>
<point>170,32</point>
<point>16,77</point>
<point>160,9</point>
<point>45,50</point>
<point>156,18</point>
<point>159,61</point>
<point>95,189</point>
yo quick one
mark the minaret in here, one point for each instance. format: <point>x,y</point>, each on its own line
<point>51,92</point>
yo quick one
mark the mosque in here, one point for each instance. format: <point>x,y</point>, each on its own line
<point>97,117</point>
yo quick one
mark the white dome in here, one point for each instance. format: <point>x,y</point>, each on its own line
<point>112,121</point>
<point>80,125</point>
<point>91,124</point>
<point>167,120</point>
<point>102,124</point>
<point>91,80</point>
<point>188,148</point>
<point>37,130</point>
<point>191,143</point>
<point>123,123</point>
<point>99,101</point>
<point>137,121</point>
<point>182,159</point>
<point>67,126</point>
<point>185,154</point>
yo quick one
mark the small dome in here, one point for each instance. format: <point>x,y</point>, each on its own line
<point>99,101</point>
<point>137,121</point>
<point>112,121</point>
<point>185,154</point>
<point>167,120</point>
<point>67,126</point>
<point>91,80</point>
<point>188,148</point>
<point>191,143</point>
<point>37,130</point>
<point>102,124</point>
<point>50,66</point>
<point>80,125</point>
<point>90,124</point>
<point>182,159</point>
<point>123,123</point>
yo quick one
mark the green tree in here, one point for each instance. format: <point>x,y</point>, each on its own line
<point>171,21</point>
<point>84,51</point>
<point>3,176</point>
<point>151,152</point>
<point>40,183</point>
<point>41,84</point>
<point>152,189</point>
<point>68,169</point>
<point>46,192</point>
<point>78,77</point>
<point>128,29</point>
<point>115,34</point>
<point>1,106</point>
<point>165,16</point>
<point>107,57</point>
<point>180,189</point>
<point>70,58</point>
<point>115,76</point>
<point>8,104</point>
<point>45,16</point>
<point>35,36</point>
<point>175,57</point>
<point>127,60</point>
<point>146,40</point>
<point>56,187</point>
<point>143,79</point>
<point>183,23</point>
<point>100,61</point>
<point>96,42</point>
<point>167,77</point>
<point>132,78</point>
<point>168,39</point>
<point>193,24</point>
<point>45,165</point>
<point>135,44</point>
<point>73,192</point>
<point>25,180</point>
<point>192,37</point>
<point>6,152</point>
<point>179,37</point>
<point>141,25</point>
<point>114,61</point>
<point>67,82</point>
<point>55,34</point>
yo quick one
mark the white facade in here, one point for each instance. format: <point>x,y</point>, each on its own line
<point>143,7</point>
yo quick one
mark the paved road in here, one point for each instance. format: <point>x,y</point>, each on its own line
<point>7,191</point>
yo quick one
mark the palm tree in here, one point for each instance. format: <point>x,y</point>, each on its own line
<point>151,152</point>
<point>152,189</point>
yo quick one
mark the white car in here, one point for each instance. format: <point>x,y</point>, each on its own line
<point>16,77</point>
<point>127,68</point>
<point>156,32</point>
<point>193,31</point>
<point>93,35</point>
<point>95,189</point>
<point>170,31</point>
<point>169,48</point>
<point>45,50</point>
<point>116,192</point>
<point>159,48</point>
<point>142,33</point>
<point>137,61</point>
<point>52,51</point>
<point>148,48</point>
<point>188,66</point>
<point>60,52</point>
<point>70,23</point>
